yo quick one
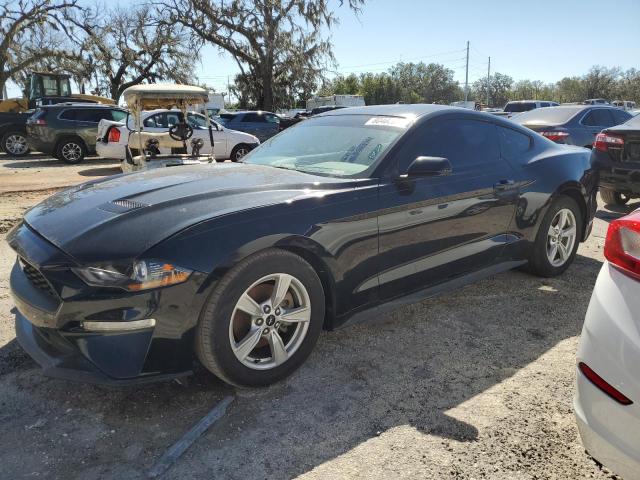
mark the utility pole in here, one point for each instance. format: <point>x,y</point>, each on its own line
<point>488,80</point>
<point>466,76</point>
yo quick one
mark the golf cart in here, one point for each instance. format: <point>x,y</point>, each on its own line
<point>143,148</point>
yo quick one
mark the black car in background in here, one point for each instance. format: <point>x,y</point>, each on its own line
<point>616,157</point>
<point>68,131</point>
<point>572,124</point>
<point>241,265</point>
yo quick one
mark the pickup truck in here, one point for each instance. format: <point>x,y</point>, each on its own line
<point>13,133</point>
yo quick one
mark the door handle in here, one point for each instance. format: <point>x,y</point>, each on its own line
<point>504,185</point>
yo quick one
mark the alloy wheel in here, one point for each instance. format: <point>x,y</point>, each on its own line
<point>16,144</point>
<point>241,152</point>
<point>71,152</point>
<point>270,321</point>
<point>561,237</point>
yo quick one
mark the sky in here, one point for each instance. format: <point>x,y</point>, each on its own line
<point>535,39</point>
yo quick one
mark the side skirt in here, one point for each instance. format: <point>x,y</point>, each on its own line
<point>375,312</point>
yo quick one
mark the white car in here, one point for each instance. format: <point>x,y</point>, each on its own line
<point>607,399</point>
<point>228,144</point>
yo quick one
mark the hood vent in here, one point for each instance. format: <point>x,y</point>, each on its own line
<point>122,206</point>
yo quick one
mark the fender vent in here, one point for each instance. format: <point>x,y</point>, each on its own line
<point>122,206</point>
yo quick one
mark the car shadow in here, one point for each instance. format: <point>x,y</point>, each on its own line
<point>413,369</point>
<point>100,172</point>
<point>612,212</point>
<point>49,162</point>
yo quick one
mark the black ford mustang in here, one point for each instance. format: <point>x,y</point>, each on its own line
<point>133,277</point>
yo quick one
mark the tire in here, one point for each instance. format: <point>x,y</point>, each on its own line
<point>216,330</point>
<point>539,261</point>
<point>14,143</point>
<point>611,197</point>
<point>239,151</point>
<point>71,150</point>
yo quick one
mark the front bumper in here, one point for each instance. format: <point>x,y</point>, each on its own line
<point>53,306</point>
<point>610,345</point>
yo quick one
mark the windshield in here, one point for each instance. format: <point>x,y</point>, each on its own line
<point>225,118</point>
<point>342,145</point>
<point>548,116</point>
<point>519,107</point>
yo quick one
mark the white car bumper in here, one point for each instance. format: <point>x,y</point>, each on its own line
<point>110,150</point>
<point>610,346</point>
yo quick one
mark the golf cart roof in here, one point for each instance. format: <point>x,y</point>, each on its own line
<point>163,95</point>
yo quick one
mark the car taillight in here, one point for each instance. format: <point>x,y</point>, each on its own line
<point>37,121</point>
<point>114,135</point>
<point>622,246</point>
<point>603,385</point>
<point>604,141</point>
<point>555,136</point>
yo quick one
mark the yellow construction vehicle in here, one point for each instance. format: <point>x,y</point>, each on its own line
<point>47,88</point>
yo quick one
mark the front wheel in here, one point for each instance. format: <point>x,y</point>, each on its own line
<point>262,321</point>
<point>558,238</point>
<point>238,152</point>
<point>611,197</point>
<point>15,144</point>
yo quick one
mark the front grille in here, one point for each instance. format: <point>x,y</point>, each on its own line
<point>37,279</point>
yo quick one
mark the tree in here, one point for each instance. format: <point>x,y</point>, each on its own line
<point>25,27</point>
<point>128,47</point>
<point>499,89</point>
<point>270,40</point>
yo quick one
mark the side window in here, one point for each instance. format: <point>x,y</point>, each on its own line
<point>158,120</point>
<point>196,121</point>
<point>472,146</point>
<point>68,115</point>
<point>544,104</point>
<point>620,116</point>
<point>512,143</point>
<point>272,118</point>
<point>118,115</point>
<point>92,115</point>
<point>253,118</point>
<point>172,119</point>
<point>600,117</point>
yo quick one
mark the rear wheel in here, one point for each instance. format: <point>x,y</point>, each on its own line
<point>611,197</point>
<point>15,143</point>
<point>71,150</point>
<point>558,238</point>
<point>262,321</point>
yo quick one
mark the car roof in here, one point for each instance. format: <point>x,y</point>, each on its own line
<point>81,105</point>
<point>403,110</point>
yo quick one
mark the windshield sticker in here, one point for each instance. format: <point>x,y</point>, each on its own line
<point>374,153</point>
<point>354,151</point>
<point>389,121</point>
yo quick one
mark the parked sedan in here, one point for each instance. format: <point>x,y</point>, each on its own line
<point>68,131</point>
<point>113,137</point>
<point>263,125</point>
<point>608,385</point>
<point>572,124</point>
<point>616,156</point>
<point>241,265</point>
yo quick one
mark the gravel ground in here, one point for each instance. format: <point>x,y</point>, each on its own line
<point>470,385</point>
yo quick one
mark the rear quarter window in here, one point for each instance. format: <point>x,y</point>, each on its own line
<point>68,115</point>
<point>514,145</point>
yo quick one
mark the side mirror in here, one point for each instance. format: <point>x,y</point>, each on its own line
<point>429,167</point>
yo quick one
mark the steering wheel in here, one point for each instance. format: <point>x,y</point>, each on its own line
<point>181,131</point>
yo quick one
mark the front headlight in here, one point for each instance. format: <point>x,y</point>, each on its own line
<point>142,275</point>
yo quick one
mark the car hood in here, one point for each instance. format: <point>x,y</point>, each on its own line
<point>120,217</point>
<point>241,136</point>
